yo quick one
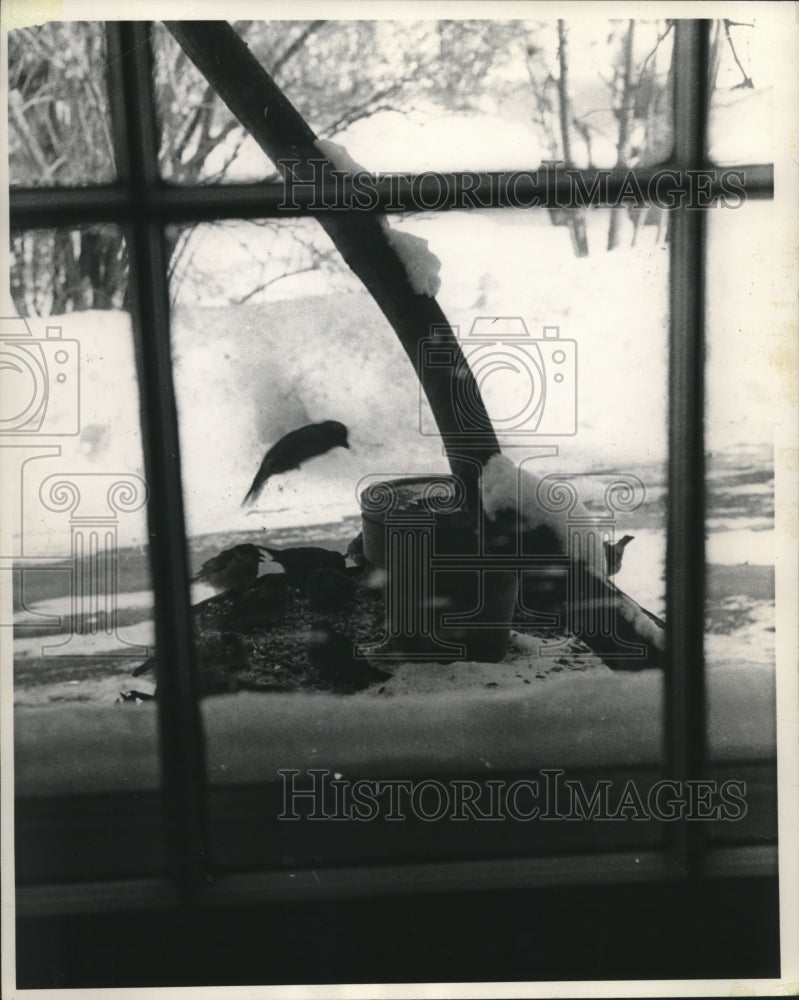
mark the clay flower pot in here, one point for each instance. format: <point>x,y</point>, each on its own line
<point>441,603</point>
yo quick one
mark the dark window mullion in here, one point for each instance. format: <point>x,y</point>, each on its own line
<point>685,712</point>
<point>33,208</point>
<point>182,748</point>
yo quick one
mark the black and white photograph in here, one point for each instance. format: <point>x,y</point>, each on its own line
<point>398,448</point>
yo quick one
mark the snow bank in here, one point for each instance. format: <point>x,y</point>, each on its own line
<point>420,264</point>
<point>508,488</point>
<point>339,156</point>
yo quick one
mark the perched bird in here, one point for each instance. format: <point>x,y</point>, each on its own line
<point>220,657</point>
<point>329,590</point>
<point>355,550</point>
<point>300,562</point>
<point>331,657</point>
<point>295,448</point>
<point>135,696</point>
<point>586,598</point>
<point>143,667</point>
<point>615,553</point>
<point>233,569</point>
<point>264,605</point>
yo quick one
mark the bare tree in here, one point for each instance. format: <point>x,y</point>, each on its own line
<point>59,133</point>
<point>574,217</point>
<point>624,111</point>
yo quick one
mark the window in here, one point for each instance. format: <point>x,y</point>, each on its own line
<point>170,193</point>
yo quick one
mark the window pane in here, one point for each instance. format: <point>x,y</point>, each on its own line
<point>743,57</point>
<point>746,325</point>
<point>59,122</point>
<point>434,95</point>
<point>83,604</point>
<point>256,358</point>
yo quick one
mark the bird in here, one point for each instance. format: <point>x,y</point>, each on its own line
<point>330,590</point>
<point>220,657</point>
<point>615,553</point>
<point>135,696</point>
<point>331,657</point>
<point>295,448</point>
<point>355,550</point>
<point>298,563</point>
<point>233,569</point>
<point>142,668</point>
<point>264,605</point>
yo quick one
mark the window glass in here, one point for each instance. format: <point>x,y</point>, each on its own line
<point>562,318</point>
<point>83,602</point>
<point>58,115</point>
<point>746,326</point>
<point>434,95</point>
<point>257,357</point>
<point>742,61</point>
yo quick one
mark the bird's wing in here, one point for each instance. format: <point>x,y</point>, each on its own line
<point>264,472</point>
<point>209,566</point>
<point>303,444</point>
<point>290,452</point>
<point>284,456</point>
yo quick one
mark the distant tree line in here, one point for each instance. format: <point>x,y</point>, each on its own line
<point>336,73</point>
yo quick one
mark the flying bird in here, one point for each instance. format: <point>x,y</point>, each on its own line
<point>298,563</point>
<point>615,553</point>
<point>295,448</point>
<point>233,569</point>
<point>331,656</point>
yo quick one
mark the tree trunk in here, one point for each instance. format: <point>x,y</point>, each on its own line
<point>575,217</point>
<point>102,266</point>
<point>624,114</point>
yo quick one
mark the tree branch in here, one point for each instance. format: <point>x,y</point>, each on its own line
<point>747,80</point>
<point>296,45</point>
<point>653,50</point>
<point>273,281</point>
<point>262,108</point>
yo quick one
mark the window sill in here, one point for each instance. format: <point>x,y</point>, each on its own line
<point>603,720</point>
<point>87,776</point>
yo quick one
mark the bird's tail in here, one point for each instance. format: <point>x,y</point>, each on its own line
<point>143,668</point>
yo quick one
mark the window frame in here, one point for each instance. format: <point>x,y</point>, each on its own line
<point>142,205</point>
